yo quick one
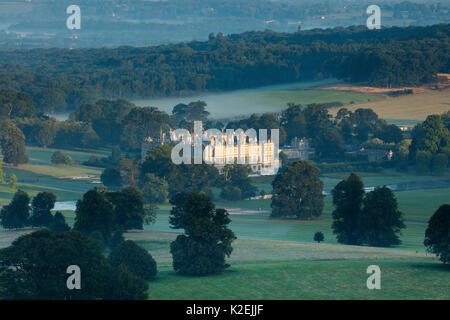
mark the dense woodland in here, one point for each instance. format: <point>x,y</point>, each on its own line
<point>60,79</point>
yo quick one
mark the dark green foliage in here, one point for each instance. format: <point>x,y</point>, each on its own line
<point>111,177</point>
<point>381,221</point>
<point>128,206</point>
<point>116,239</point>
<point>12,143</point>
<point>180,178</point>
<point>128,286</point>
<point>99,214</point>
<point>236,182</point>
<point>231,193</point>
<point>319,237</point>
<point>297,191</point>
<point>15,214</point>
<point>194,111</point>
<point>136,259</point>
<point>439,163</point>
<point>373,219</point>
<point>34,267</point>
<point>423,161</point>
<point>207,239</point>
<point>437,235</point>
<point>41,207</point>
<point>58,224</point>
<point>347,198</point>
<point>59,158</point>
<point>94,213</point>
<point>154,189</point>
<point>430,138</point>
<point>389,57</point>
<point>16,105</point>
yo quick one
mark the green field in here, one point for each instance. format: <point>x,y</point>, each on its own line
<point>273,259</point>
<point>41,175</point>
<point>289,270</point>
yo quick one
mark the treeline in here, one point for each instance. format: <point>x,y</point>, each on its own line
<point>122,124</point>
<point>58,79</point>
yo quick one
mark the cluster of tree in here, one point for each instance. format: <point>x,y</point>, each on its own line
<point>59,158</point>
<point>206,241</point>
<point>430,145</point>
<point>297,191</point>
<point>236,183</point>
<point>329,135</point>
<point>387,57</point>
<point>19,214</point>
<point>105,215</point>
<point>360,218</point>
<point>35,267</point>
<point>179,178</point>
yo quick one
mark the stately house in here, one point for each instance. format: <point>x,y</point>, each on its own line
<point>261,157</point>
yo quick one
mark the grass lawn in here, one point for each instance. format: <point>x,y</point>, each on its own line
<point>268,269</point>
<point>297,280</point>
<point>41,155</point>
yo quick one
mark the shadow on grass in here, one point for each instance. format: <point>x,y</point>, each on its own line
<point>436,265</point>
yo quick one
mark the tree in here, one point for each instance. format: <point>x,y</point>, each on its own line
<point>95,213</point>
<point>347,199</point>
<point>131,168</point>
<point>207,239</point>
<point>111,177</point>
<point>15,214</point>
<point>430,136</point>
<point>135,258</point>
<point>128,286</point>
<point>423,160</point>
<point>2,173</point>
<point>437,235</point>
<point>41,207</point>
<point>35,265</point>
<point>58,223</point>
<point>439,163</point>
<point>297,191</point>
<point>231,193</point>
<point>154,189</point>
<point>128,206</point>
<point>12,181</point>
<point>381,221</point>
<point>13,145</point>
<point>194,111</point>
<point>319,237</point>
<point>236,178</point>
<point>116,155</point>
<point>59,158</point>
<point>45,133</point>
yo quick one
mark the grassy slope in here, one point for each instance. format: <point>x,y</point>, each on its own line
<point>410,107</point>
<point>289,270</point>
